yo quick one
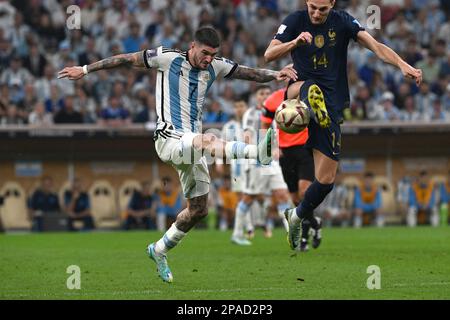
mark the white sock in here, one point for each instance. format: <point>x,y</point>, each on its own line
<point>357,223</point>
<point>239,219</point>
<point>240,150</point>
<point>434,219</point>
<point>380,221</point>
<point>281,208</point>
<point>411,217</point>
<point>170,239</point>
<point>223,225</point>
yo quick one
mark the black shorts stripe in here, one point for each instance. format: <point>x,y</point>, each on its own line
<point>144,53</point>
<point>162,96</point>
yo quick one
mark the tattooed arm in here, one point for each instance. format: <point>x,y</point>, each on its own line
<point>135,59</point>
<point>264,75</point>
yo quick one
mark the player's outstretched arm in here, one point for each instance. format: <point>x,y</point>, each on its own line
<point>135,59</point>
<point>389,56</point>
<point>264,75</point>
<point>278,49</point>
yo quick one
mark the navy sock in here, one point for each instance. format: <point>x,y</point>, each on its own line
<point>305,228</point>
<point>314,196</point>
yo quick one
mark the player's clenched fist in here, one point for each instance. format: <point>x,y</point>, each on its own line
<point>73,73</point>
<point>304,37</point>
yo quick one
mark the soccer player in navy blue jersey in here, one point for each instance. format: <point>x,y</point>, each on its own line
<point>317,39</point>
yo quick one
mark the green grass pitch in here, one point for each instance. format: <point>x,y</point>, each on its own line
<point>414,264</point>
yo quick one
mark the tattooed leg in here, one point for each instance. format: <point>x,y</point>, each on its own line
<point>196,210</point>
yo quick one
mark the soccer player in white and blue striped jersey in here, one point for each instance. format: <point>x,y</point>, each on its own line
<point>182,84</point>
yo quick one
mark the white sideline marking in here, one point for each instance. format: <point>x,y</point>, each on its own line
<point>118,293</point>
<point>423,284</point>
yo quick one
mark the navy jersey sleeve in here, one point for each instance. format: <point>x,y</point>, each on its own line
<point>288,30</point>
<point>352,26</point>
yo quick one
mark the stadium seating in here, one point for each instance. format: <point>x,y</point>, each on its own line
<point>14,212</point>
<point>389,206</point>
<point>125,192</point>
<point>103,205</point>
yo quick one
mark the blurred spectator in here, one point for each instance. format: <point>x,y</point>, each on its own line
<point>149,113</point>
<point>86,106</point>
<point>7,12</point>
<point>215,114</point>
<point>135,41</point>
<point>114,114</point>
<point>166,37</point>
<point>444,200</point>
<point>446,99</point>
<point>12,116</point>
<point>169,203</point>
<point>386,110</point>
<point>77,206</point>
<point>35,61</point>
<point>227,202</point>
<point>424,99</point>
<point>89,54</point>
<point>409,113</point>
<point>368,203</point>
<point>422,202</point>
<point>68,114</point>
<point>403,190</point>
<point>403,92</point>
<point>43,85</point>
<point>399,28</point>
<point>43,201</point>
<point>422,30</point>
<point>116,15</point>
<point>39,116</point>
<point>6,52</point>
<point>430,67</point>
<point>141,208</point>
<point>54,102</point>
<point>89,14</point>
<point>436,114</point>
<point>266,26</point>
<point>359,104</point>
<point>16,74</point>
<point>412,53</point>
<point>18,34</point>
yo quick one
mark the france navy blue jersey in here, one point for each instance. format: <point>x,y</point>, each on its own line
<point>325,59</point>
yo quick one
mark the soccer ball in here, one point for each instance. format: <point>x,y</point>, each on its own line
<point>292,116</point>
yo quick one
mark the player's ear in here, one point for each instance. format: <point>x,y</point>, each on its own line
<point>192,44</point>
<point>333,2</point>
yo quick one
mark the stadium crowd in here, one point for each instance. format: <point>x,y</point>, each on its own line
<point>35,43</point>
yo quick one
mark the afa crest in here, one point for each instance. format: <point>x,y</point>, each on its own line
<point>206,76</point>
<point>319,41</point>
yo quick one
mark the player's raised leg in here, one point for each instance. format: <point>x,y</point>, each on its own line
<point>217,147</point>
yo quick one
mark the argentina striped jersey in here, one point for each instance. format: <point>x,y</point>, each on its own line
<point>181,89</point>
